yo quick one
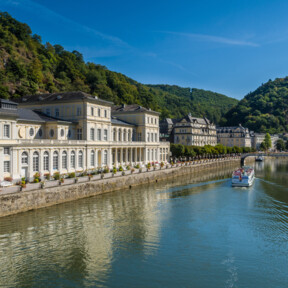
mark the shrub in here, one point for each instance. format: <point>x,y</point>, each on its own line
<point>123,173</point>
<point>36,180</point>
<point>56,175</point>
<point>120,168</point>
<point>47,176</point>
<point>137,166</point>
<point>114,170</point>
<point>72,175</point>
<point>132,170</point>
<point>127,167</point>
<point>148,165</point>
<point>37,177</point>
<point>106,170</point>
<point>9,179</point>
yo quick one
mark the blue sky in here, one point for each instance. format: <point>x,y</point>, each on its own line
<point>230,47</point>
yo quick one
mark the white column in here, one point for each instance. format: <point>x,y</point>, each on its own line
<point>121,155</point>
<point>109,157</point>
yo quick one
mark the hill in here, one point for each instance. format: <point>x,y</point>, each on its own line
<point>27,67</point>
<point>197,101</point>
<point>264,110</point>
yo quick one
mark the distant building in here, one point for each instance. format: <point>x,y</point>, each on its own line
<point>258,138</point>
<point>166,128</point>
<point>234,136</point>
<point>195,131</point>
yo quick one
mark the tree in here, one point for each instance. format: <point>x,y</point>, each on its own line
<point>280,145</point>
<point>267,140</point>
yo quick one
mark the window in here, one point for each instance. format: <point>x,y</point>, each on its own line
<point>156,140</point>
<point>57,113</point>
<point>119,135</point>
<point>92,134</point>
<point>129,135</point>
<point>105,135</point>
<point>114,135</point>
<point>31,132</point>
<point>64,160</point>
<point>79,134</point>
<point>7,131</point>
<point>99,134</point>
<point>6,166</point>
<point>69,133</point>
<point>92,159</point>
<point>124,135</point>
<point>72,159</point>
<point>148,137</point>
<point>80,159</point>
<point>6,150</point>
<point>105,113</point>
<point>24,158</point>
<point>152,137</point>
<point>105,156</point>
<point>148,120</point>
<point>139,136</point>
<point>35,161</point>
<point>99,112</point>
<point>46,161</point>
<point>79,112</point>
<point>51,133</point>
<point>92,111</point>
<point>155,120</point>
<point>55,161</point>
<point>62,132</point>
<point>40,132</point>
<point>48,111</point>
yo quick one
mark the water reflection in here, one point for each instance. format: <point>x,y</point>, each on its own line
<point>195,231</point>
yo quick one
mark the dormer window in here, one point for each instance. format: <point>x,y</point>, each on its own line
<point>48,111</point>
<point>57,113</point>
<point>92,111</point>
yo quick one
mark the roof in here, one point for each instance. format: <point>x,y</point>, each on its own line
<point>61,96</point>
<point>192,119</point>
<point>117,121</point>
<point>130,108</point>
<point>6,101</point>
<point>30,115</point>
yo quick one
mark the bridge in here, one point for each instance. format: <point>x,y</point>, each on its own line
<point>269,154</point>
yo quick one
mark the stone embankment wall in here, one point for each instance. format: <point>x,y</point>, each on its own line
<point>13,203</point>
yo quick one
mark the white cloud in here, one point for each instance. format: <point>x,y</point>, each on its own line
<point>212,38</point>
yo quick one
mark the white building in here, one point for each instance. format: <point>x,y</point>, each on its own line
<point>73,132</point>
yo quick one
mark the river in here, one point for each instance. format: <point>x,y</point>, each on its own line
<point>196,231</point>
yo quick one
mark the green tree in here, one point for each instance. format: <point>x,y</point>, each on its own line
<point>267,140</point>
<point>280,145</point>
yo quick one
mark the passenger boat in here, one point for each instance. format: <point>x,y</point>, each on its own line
<point>243,177</point>
<point>259,158</point>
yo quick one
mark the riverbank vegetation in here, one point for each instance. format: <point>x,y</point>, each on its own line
<point>179,150</point>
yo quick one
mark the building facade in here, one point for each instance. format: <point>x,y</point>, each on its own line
<point>234,136</point>
<point>195,131</point>
<point>74,132</point>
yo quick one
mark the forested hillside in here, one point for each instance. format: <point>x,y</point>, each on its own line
<point>264,110</point>
<point>27,66</point>
<point>205,103</point>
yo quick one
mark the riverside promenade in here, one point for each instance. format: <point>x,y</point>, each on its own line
<point>37,195</point>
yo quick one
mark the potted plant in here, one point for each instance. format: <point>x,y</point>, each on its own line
<point>123,173</point>
<point>42,184</point>
<point>132,170</point>
<point>76,180</point>
<point>161,165</point>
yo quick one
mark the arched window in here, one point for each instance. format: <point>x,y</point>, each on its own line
<point>148,154</point>
<point>55,161</point>
<point>129,135</point>
<point>92,158</point>
<point>24,158</point>
<point>35,161</point>
<point>124,135</point>
<point>46,161</point>
<point>119,135</point>
<point>64,160</point>
<point>72,159</point>
<point>105,157</point>
<point>80,159</point>
<point>114,135</point>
